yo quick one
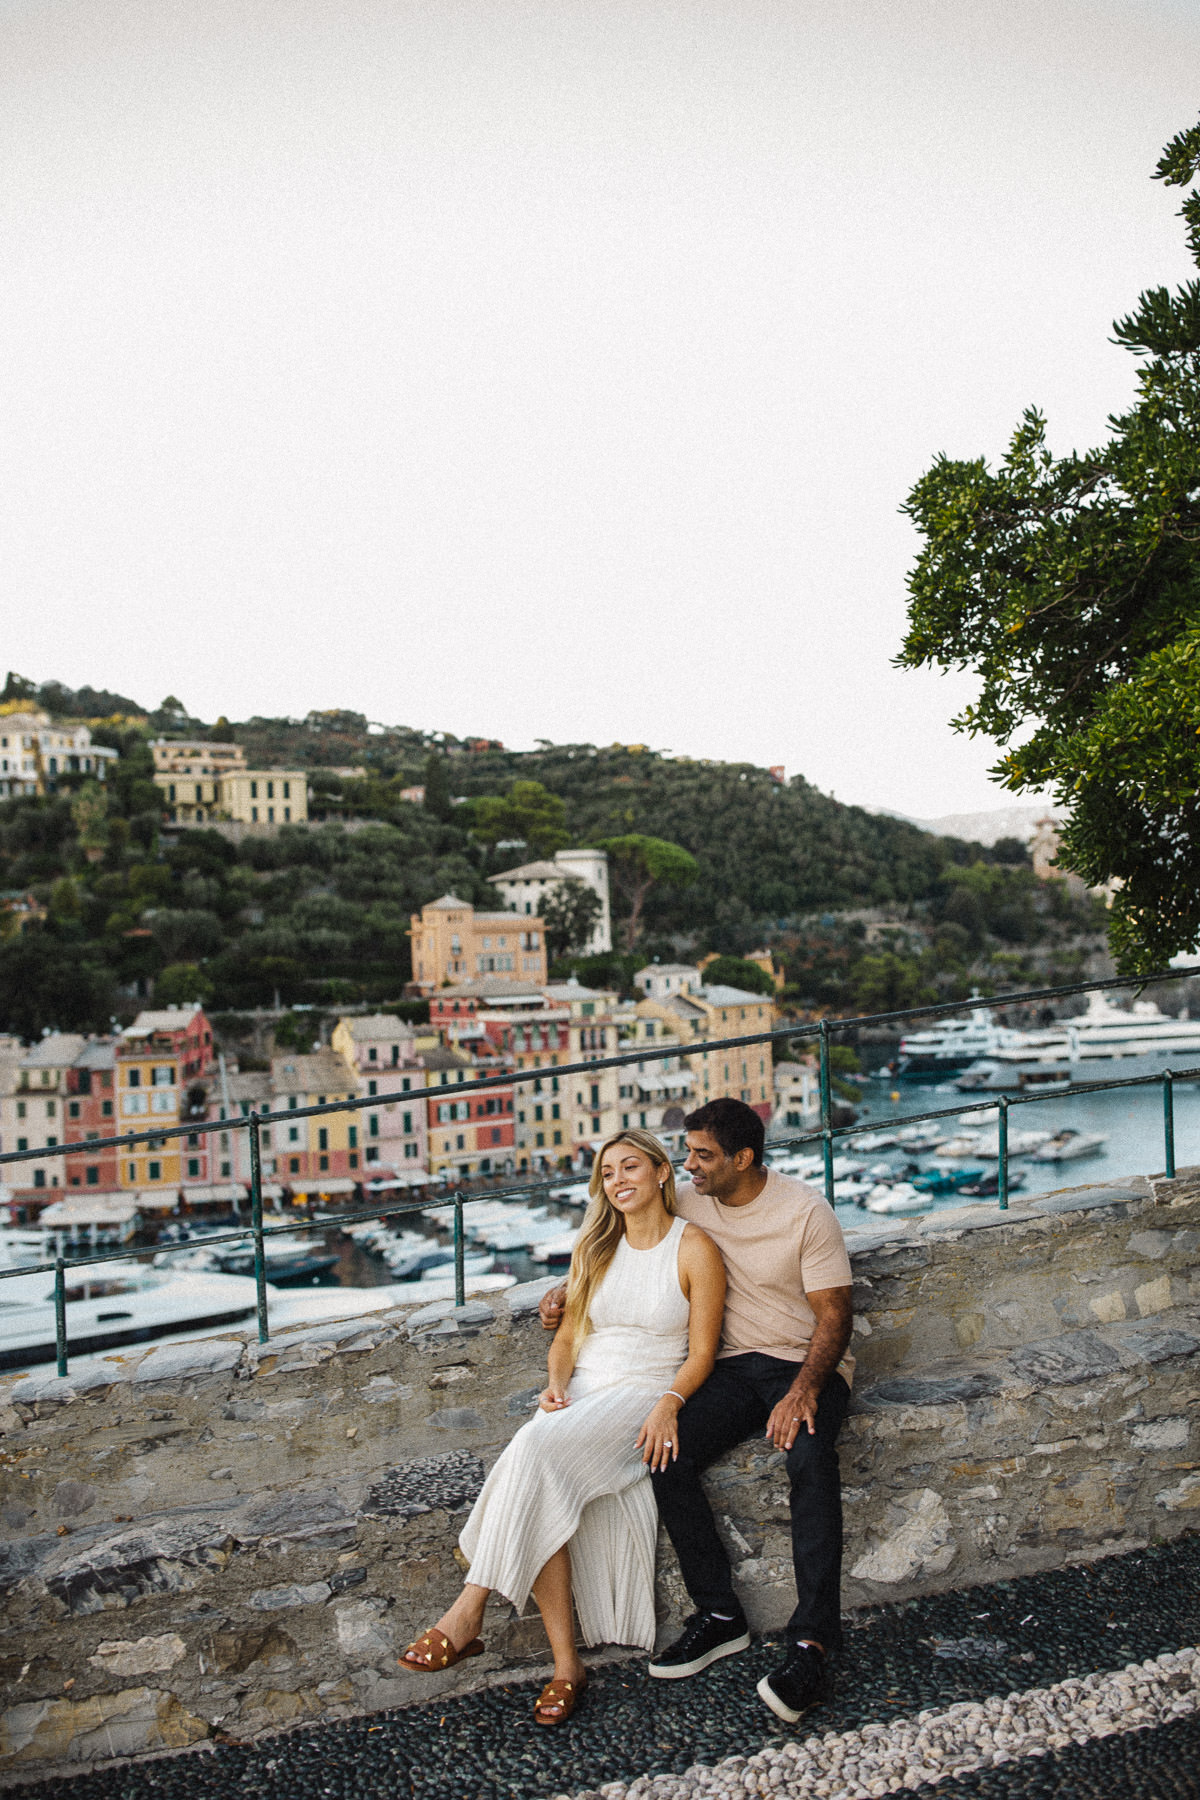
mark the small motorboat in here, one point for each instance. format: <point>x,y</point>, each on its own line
<point>1065,1146</point>
<point>903,1198</point>
<point>946,1181</point>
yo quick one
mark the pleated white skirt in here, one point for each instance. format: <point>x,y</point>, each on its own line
<point>574,1477</point>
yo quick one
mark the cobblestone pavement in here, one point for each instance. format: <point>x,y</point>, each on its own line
<point>1037,1639</point>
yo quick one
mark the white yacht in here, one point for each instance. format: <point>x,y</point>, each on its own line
<point>115,1303</point>
<point>952,1044</point>
<point>1106,1041</point>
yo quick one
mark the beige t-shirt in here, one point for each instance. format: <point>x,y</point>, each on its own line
<point>782,1246</point>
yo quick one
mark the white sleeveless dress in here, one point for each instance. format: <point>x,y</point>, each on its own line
<point>574,1476</point>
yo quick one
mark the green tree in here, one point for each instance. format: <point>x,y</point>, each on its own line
<point>884,982</point>
<point>527,812</point>
<point>638,863</point>
<point>89,811</point>
<point>1071,585</point>
<point>437,786</point>
<point>181,983</point>
<point>738,972</point>
<point>569,914</point>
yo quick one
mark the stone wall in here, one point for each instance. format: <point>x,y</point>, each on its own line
<point>210,1539</point>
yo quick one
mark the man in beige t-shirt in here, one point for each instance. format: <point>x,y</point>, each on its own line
<point>783,1371</point>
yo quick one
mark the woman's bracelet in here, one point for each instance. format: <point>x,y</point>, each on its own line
<point>682,1398</point>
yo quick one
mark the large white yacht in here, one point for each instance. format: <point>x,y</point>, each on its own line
<point>115,1303</point>
<point>953,1044</point>
<point>1107,1041</point>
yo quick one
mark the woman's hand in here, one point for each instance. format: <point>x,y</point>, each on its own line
<point>553,1397</point>
<point>658,1440</point>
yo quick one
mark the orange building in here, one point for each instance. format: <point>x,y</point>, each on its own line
<point>452,943</point>
<point>164,1066</point>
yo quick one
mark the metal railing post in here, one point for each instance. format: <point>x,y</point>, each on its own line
<point>1169,1124</point>
<point>1002,1146</point>
<point>826,1113</point>
<point>260,1265</point>
<point>460,1286</point>
<point>60,1315</point>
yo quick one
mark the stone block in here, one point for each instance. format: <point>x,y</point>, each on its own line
<point>21,1556</point>
<point>70,1498</point>
<point>233,1652</point>
<point>88,1376</point>
<point>524,1298</point>
<point>190,1361</point>
<point>1153,1345</point>
<point>930,1390</point>
<point>164,1556</point>
<point>1108,1308</point>
<point>291,1514</point>
<point>1160,1434</point>
<point>1065,1361</point>
<point>105,1725</point>
<point>919,1543</point>
<point>1089,1199</point>
<point>362,1635</point>
<point>139,1656</point>
<point>1183,1497</point>
<point>1153,1296</point>
<point>280,1599</point>
<point>456,1418</point>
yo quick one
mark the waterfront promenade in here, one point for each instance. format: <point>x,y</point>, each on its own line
<point>989,1691</point>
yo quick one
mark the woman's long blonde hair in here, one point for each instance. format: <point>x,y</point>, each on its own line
<point>604,1227</point>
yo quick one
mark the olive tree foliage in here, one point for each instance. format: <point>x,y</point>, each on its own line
<point>570,912</point>
<point>1071,586</point>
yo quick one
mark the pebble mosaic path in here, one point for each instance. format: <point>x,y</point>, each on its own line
<point>1078,1682</point>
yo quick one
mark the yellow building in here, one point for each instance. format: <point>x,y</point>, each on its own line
<point>691,1012</point>
<point>201,782</point>
<point>452,943</point>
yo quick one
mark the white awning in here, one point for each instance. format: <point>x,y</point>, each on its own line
<point>328,1184</point>
<point>200,1194</point>
<point>90,1209</point>
<point>157,1199</point>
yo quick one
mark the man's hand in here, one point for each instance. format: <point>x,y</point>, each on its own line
<point>798,1407</point>
<point>552,1305</point>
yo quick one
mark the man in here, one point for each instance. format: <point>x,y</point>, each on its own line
<point>783,1370</point>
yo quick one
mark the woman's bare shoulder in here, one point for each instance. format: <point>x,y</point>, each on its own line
<point>699,1250</point>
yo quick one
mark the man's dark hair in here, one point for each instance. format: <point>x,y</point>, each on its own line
<point>735,1126</point>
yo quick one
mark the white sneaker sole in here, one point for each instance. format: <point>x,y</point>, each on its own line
<point>677,1671</point>
<point>789,1714</point>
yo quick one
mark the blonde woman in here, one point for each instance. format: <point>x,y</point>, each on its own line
<point>566,1509</point>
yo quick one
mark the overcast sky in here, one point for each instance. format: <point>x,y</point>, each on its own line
<point>553,369</point>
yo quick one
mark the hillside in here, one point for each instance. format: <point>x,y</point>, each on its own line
<point>320,916</point>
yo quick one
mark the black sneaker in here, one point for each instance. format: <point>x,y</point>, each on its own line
<point>704,1640</point>
<point>798,1683</point>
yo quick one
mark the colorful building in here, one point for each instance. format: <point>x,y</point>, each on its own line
<point>526,889</point>
<point>468,1134</point>
<point>315,1155</point>
<point>452,943</point>
<point>36,750</point>
<point>379,1050</point>
<point>32,1117</point>
<point>90,1110</point>
<point>201,782</point>
<point>164,1066</point>
<point>677,999</point>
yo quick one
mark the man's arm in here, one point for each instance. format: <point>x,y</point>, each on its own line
<point>831,1335</point>
<point>552,1305</point>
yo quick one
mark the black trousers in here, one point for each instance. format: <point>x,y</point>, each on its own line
<point>734,1404</point>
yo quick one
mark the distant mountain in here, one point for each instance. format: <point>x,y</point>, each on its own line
<point>988,827</point>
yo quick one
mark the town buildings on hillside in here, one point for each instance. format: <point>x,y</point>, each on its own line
<point>452,1106</point>
<point>526,889</point>
<point>202,783</point>
<point>36,751</point>
<point>452,943</point>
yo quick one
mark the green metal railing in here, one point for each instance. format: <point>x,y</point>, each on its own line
<point>826,1134</point>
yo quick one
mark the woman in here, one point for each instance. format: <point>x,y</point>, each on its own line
<point>567,1506</point>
